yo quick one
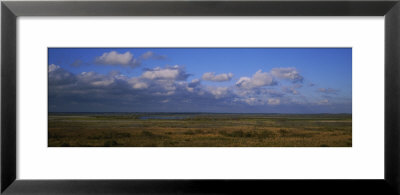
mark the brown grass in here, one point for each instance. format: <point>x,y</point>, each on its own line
<point>207,130</point>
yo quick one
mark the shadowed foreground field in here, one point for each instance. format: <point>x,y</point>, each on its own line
<point>199,130</point>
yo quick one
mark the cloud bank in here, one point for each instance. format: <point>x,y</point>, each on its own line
<point>210,76</point>
<point>169,89</point>
<point>259,79</point>
<point>127,59</point>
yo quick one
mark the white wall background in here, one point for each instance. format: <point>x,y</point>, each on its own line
<point>364,160</point>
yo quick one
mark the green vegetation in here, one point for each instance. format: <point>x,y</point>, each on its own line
<point>200,130</point>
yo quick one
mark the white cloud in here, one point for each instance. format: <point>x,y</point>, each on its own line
<point>53,67</point>
<point>218,92</point>
<point>274,101</point>
<point>59,76</point>
<point>253,101</point>
<point>323,102</point>
<point>259,101</point>
<point>242,92</point>
<point>103,83</point>
<point>159,73</point>
<point>165,93</point>
<point>94,79</point>
<point>168,73</point>
<point>140,85</point>
<point>287,73</point>
<point>147,55</point>
<point>327,90</point>
<point>152,55</point>
<point>210,76</point>
<point>162,81</point>
<point>259,79</point>
<point>190,89</point>
<point>167,85</point>
<point>137,83</point>
<point>292,89</point>
<point>192,85</point>
<point>115,58</point>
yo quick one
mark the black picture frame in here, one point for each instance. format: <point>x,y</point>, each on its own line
<point>10,10</point>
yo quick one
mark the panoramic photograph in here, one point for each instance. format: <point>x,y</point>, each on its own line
<point>199,97</point>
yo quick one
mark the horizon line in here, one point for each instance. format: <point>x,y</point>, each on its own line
<point>203,112</point>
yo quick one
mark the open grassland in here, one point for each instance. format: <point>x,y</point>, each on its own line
<point>199,130</point>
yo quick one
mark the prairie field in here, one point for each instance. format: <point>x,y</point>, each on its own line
<point>198,130</point>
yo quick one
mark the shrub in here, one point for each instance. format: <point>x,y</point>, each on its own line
<point>107,135</point>
<point>241,133</point>
<point>238,133</point>
<point>122,135</point>
<point>222,132</point>
<point>265,134</point>
<point>199,131</point>
<point>94,137</point>
<point>147,133</point>
<point>189,132</point>
<point>283,132</point>
<point>110,143</point>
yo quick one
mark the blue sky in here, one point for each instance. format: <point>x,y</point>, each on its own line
<point>249,80</point>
